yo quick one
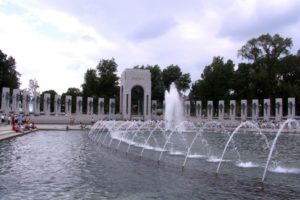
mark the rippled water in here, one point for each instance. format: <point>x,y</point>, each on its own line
<point>68,165</point>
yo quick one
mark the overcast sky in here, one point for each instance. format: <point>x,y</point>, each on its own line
<point>56,41</point>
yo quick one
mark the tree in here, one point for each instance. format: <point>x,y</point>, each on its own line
<point>108,80</point>
<point>173,74</point>
<point>89,87</point>
<point>157,86</point>
<point>267,47</point>
<point>215,83</point>
<point>9,76</point>
<point>265,52</point>
<point>244,84</point>
<point>101,82</point>
<point>288,81</point>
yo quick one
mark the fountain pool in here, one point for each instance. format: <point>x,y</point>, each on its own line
<point>73,165</point>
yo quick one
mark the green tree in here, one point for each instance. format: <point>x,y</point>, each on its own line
<point>173,73</point>
<point>288,81</point>
<point>108,81</point>
<point>91,81</point>
<point>157,86</point>
<point>215,83</point>
<point>90,87</point>
<point>9,76</point>
<point>266,47</point>
<point>101,82</point>
<point>264,53</point>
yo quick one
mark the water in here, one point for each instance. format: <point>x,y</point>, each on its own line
<point>287,122</point>
<point>173,108</point>
<point>71,165</point>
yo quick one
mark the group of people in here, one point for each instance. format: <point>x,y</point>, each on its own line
<point>21,123</point>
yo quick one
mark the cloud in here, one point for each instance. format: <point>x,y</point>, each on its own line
<point>61,39</point>
<point>47,58</point>
<point>153,29</point>
<point>247,19</point>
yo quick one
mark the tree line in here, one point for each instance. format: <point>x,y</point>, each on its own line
<point>268,70</point>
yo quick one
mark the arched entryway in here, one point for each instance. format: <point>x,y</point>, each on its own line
<point>137,100</point>
<point>135,94</point>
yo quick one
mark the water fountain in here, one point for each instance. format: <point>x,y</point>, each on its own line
<point>175,140</point>
<point>174,108</point>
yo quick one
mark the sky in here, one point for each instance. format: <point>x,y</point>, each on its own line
<point>56,41</point>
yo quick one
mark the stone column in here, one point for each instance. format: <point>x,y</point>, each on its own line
<point>210,110</point>
<point>68,105</point>
<point>291,108</point>
<point>36,103</point>
<point>26,102</point>
<point>147,104</point>
<point>5,103</point>
<point>278,109</point>
<point>78,105</point>
<point>221,108</point>
<point>255,109</point>
<point>57,104</point>
<point>47,103</point>
<point>101,106</point>
<point>198,109</point>
<point>16,101</point>
<point>243,110</point>
<point>164,107</point>
<point>112,106</point>
<point>154,107</point>
<point>187,109</point>
<point>267,108</point>
<point>232,112</point>
<point>90,105</point>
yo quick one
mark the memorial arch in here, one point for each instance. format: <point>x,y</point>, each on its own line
<point>135,94</point>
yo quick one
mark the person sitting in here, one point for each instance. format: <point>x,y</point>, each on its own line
<point>82,126</point>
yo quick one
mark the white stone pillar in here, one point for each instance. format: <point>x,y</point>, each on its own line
<point>243,110</point>
<point>5,103</point>
<point>267,108</point>
<point>101,106</point>
<point>78,105</point>
<point>57,104</point>
<point>16,101</point>
<point>47,103</point>
<point>187,109</point>
<point>291,108</point>
<point>232,112</point>
<point>147,104</point>
<point>164,107</point>
<point>255,109</point>
<point>68,105</point>
<point>112,107</point>
<point>26,102</point>
<point>154,107</point>
<point>210,110</point>
<point>278,109</point>
<point>36,103</point>
<point>198,109</point>
<point>90,105</point>
<point>221,108</point>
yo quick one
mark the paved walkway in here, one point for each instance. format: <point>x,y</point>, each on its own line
<point>6,131</point>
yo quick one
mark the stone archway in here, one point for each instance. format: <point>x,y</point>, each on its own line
<point>135,94</point>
